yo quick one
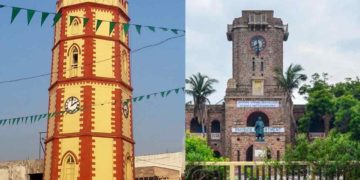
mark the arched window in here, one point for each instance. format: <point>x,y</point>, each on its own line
<point>73,60</point>
<point>125,65</point>
<point>75,26</point>
<point>215,126</point>
<point>195,126</point>
<point>250,153</point>
<point>254,116</point>
<point>69,164</point>
<point>75,57</point>
<point>217,154</point>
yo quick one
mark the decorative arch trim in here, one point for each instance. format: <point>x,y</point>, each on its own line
<point>72,47</point>
<point>71,154</point>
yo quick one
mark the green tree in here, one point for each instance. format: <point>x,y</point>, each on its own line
<point>320,106</point>
<point>333,153</point>
<point>200,88</point>
<point>289,81</point>
<point>198,151</point>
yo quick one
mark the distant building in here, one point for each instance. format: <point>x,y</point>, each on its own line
<point>149,167</point>
<point>252,92</point>
<point>22,170</point>
<point>161,166</point>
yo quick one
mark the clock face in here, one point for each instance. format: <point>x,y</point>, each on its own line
<point>72,105</point>
<point>258,44</point>
<point>125,109</point>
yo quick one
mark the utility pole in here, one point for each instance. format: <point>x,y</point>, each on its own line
<point>41,147</point>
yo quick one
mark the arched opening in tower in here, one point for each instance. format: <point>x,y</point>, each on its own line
<point>253,117</point>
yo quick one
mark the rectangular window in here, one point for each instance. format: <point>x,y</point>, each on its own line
<point>253,65</point>
<point>262,66</point>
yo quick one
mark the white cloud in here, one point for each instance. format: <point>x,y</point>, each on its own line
<point>324,36</point>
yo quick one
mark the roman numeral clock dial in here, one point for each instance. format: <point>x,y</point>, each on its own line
<point>72,105</point>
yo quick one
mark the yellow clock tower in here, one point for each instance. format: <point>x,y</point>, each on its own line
<point>93,139</point>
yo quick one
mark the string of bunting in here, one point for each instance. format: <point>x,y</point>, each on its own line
<point>57,16</point>
<point>38,117</point>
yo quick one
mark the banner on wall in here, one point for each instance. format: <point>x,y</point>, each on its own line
<point>257,104</point>
<point>252,130</point>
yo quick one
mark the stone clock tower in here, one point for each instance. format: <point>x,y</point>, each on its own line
<point>252,92</point>
<point>90,80</point>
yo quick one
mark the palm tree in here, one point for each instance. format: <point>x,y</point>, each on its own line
<point>289,81</point>
<point>200,87</point>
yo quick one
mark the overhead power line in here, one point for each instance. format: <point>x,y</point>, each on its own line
<point>132,52</point>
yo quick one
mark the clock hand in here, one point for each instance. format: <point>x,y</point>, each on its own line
<point>73,103</point>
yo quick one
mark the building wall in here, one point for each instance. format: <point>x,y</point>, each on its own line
<point>99,137</point>
<point>20,170</point>
<point>251,83</point>
<point>174,161</point>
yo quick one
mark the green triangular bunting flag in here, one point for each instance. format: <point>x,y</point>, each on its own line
<point>71,19</point>
<point>17,120</point>
<point>44,15</point>
<point>162,93</point>
<point>15,12</point>
<point>56,18</point>
<point>86,20</point>
<point>175,31</point>
<point>164,29</point>
<point>126,28</point>
<point>140,98</point>
<point>111,27</point>
<point>4,122</point>
<point>135,99</point>
<point>1,122</point>
<point>26,118</point>
<point>183,88</point>
<point>177,90</point>
<point>138,28</point>
<point>13,121</point>
<point>1,6</point>
<point>30,15</point>
<point>148,96</point>
<point>152,28</point>
<point>98,24</point>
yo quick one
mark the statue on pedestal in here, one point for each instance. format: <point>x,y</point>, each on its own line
<point>259,129</point>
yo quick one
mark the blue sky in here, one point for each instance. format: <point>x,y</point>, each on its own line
<point>324,37</point>
<point>26,51</point>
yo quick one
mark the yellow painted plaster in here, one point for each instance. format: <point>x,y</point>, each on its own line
<point>106,2</point>
<point>128,160</point>
<point>57,31</point>
<point>73,29</point>
<point>105,16</point>
<point>52,104</point>
<point>103,163</point>
<point>71,122</point>
<point>55,62</point>
<point>69,144</point>
<point>69,70</point>
<point>48,160</point>
<point>104,58</point>
<point>103,113</point>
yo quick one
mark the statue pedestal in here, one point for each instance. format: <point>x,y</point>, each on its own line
<point>260,150</point>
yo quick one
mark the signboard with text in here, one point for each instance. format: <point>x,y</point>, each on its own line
<point>252,130</point>
<point>257,104</point>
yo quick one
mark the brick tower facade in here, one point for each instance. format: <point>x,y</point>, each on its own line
<point>90,80</point>
<point>252,92</point>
